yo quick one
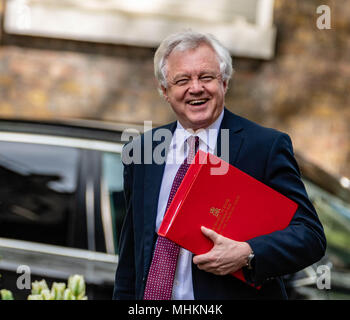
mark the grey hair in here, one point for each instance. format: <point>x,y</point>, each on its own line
<point>187,40</point>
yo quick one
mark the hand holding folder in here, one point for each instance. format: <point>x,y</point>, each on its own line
<point>227,256</point>
<point>234,205</point>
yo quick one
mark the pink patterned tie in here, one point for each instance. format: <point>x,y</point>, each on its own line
<point>160,279</point>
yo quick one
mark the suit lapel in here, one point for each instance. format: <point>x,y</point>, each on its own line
<point>152,182</point>
<point>234,142</point>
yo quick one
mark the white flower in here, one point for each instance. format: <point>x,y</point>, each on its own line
<point>39,286</point>
<point>57,290</point>
<point>35,297</point>
<point>76,284</point>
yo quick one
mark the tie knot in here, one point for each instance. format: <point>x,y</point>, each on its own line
<point>193,144</point>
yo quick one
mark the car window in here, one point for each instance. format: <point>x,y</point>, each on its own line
<point>38,185</point>
<point>334,214</point>
<point>112,190</point>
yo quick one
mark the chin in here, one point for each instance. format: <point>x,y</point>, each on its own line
<point>198,117</point>
<point>203,119</point>
<point>200,123</point>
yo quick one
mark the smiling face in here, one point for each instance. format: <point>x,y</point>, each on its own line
<point>195,88</point>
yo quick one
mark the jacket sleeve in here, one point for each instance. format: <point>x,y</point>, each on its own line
<point>124,287</point>
<point>303,242</point>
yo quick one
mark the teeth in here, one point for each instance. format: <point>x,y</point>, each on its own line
<point>193,102</point>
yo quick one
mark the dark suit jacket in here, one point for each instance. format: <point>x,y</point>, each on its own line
<point>267,155</point>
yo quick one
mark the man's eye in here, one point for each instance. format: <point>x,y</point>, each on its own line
<point>207,78</point>
<point>181,82</point>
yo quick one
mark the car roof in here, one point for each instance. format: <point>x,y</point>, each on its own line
<point>322,178</point>
<point>76,128</point>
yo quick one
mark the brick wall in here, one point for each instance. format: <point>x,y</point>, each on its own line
<point>303,91</point>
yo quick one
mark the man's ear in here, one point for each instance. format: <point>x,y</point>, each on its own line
<point>225,85</point>
<point>165,93</point>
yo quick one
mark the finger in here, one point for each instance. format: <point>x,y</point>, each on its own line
<point>221,270</point>
<point>205,268</point>
<point>211,234</point>
<point>201,259</point>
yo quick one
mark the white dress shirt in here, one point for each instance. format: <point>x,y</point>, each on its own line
<point>183,289</point>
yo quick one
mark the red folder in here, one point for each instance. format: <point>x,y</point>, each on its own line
<point>233,204</point>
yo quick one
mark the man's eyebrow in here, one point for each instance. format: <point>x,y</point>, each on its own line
<point>180,75</point>
<point>209,72</point>
<point>201,73</point>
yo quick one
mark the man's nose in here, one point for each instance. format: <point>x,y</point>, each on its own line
<point>195,87</point>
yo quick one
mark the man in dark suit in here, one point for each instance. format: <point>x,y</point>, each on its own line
<point>193,71</point>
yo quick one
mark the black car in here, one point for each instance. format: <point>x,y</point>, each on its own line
<point>331,197</point>
<point>61,202</point>
<point>62,207</point>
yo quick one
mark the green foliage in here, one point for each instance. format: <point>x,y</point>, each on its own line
<point>59,291</point>
<point>6,294</point>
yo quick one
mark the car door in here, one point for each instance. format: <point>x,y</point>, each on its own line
<point>54,216</point>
